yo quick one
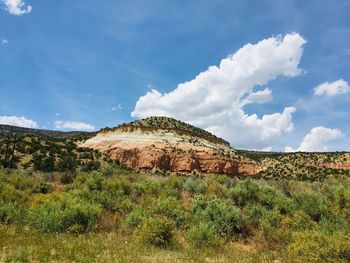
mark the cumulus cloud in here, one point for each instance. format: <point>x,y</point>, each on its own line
<point>215,99</point>
<point>73,125</point>
<point>332,89</point>
<point>316,140</point>
<point>17,7</point>
<point>18,121</point>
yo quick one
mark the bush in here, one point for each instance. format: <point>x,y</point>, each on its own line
<point>313,205</point>
<point>203,235</point>
<point>9,212</point>
<point>222,214</point>
<point>194,185</point>
<point>136,217</point>
<point>67,214</point>
<point>156,231</point>
<point>313,246</point>
<point>21,254</point>
<point>171,208</point>
<point>245,192</point>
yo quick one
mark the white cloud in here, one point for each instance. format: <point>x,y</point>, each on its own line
<point>73,125</point>
<point>316,140</point>
<point>215,99</point>
<point>332,89</point>
<point>4,42</point>
<point>116,108</point>
<point>18,121</point>
<point>17,7</point>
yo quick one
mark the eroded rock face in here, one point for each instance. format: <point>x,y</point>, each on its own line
<point>169,159</point>
<point>150,151</point>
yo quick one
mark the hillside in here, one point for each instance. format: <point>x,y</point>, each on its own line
<point>8,130</point>
<point>300,165</point>
<point>48,151</point>
<point>170,125</point>
<point>158,144</point>
<point>165,144</point>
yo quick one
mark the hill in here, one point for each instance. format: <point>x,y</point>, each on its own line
<point>47,151</point>
<point>169,145</point>
<point>8,130</point>
<point>170,125</point>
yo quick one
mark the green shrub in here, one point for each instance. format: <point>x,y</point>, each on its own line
<point>194,185</point>
<point>67,214</point>
<point>171,208</point>
<point>313,205</point>
<point>9,212</point>
<point>156,231</point>
<point>203,235</point>
<point>245,192</point>
<point>252,215</point>
<point>136,217</point>
<point>267,197</point>
<point>67,178</point>
<point>313,246</point>
<point>222,214</point>
<point>21,254</point>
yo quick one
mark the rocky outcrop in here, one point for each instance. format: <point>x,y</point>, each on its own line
<point>168,158</point>
<point>160,143</point>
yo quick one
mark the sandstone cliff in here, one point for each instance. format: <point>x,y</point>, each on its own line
<point>169,145</point>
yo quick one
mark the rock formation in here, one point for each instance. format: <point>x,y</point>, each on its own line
<point>160,143</point>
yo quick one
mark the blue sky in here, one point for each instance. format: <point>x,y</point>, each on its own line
<point>85,64</point>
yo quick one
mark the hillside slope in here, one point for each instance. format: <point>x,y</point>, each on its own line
<point>161,143</point>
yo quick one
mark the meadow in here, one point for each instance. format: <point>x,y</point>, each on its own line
<point>114,214</point>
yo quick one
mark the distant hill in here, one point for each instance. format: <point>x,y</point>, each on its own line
<point>6,130</point>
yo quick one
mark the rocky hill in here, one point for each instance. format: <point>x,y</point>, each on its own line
<point>158,144</point>
<point>161,143</point>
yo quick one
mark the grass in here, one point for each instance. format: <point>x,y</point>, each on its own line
<point>116,246</point>
<point>124,216</point>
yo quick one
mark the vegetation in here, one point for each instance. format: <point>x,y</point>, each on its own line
<point>170,124</point>
<point>114,214</point>
<point>300,165</point>
<point>48,155</point>
<point>63,203</point>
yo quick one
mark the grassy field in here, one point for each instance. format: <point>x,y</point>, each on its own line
<point>117,215</point>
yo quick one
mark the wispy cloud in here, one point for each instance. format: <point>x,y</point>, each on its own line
<point>17,7</point>
<point>18,121</point>
<point>73,125</point>
<point>4,42</point>
<point>116,108</point>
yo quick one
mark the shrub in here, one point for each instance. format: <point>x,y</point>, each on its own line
<point>171,208</point>
<point>313,205</point>
<point>136,217</point>
<point>203,235</point>
<point>253,214</point>
<point>21,254</point>
<point>245,192</point>
<point>67,178</point>
<point>194,185</point>
<point>67,214</point>
<point>222,214</point>
<point>156,231</point>
<point>9,212</point>
<point>313,246</point>
<point>267,197</point>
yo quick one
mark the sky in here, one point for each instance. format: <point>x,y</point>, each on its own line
<point>265,75</point>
